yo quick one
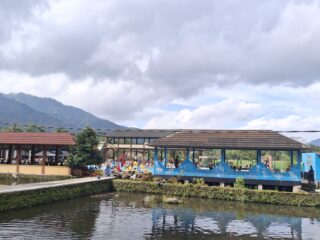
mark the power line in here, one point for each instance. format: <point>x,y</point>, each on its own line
<point>105,130</point>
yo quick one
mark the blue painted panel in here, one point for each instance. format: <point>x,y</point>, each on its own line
<point>223,170</point>
<point>313,159</point>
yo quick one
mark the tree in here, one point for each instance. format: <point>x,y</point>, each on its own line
<point>13,128</point>
<point>34,128</point>
<point>61,130</point>
<point>85,152</point>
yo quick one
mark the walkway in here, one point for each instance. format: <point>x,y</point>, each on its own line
<point>42,185</point>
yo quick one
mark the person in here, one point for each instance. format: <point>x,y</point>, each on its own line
<point>108,170</point>
<point>311,175</point>
<point>176,162</point>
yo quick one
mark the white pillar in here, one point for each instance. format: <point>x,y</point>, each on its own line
<point>222,184</point>
<point>260,187</point>
<point>296,188</point>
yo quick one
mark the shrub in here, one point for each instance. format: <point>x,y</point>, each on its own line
<point>239,183</point>
<point>146,177</point>
<point>211,192</point>
<point>173,180</point>
<point>199,182</point>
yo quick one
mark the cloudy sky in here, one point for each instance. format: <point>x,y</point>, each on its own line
<point>169,64</point>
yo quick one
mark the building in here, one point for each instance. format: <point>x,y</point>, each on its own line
<point>132,143</point>
<point>260,173</point>
<point>34,153</point>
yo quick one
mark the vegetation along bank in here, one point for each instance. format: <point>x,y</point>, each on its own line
<point>23,199</point>
<point>213,192</point>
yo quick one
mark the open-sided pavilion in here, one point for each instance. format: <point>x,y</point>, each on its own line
<point>18,152</point>
<point>257,140</point>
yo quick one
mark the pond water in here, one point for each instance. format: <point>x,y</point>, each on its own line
<point>126,216</point>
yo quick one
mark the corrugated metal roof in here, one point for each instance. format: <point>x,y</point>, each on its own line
<point>229,139</point>
<point>139,133</point>
<point>55,139</point>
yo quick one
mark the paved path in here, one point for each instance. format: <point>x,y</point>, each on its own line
<point>41,185</point>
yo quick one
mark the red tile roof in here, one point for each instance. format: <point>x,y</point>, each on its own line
<point>54,139</point>
<point>229,139</point>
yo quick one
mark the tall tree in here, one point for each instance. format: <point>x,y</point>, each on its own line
<point>85,152</point>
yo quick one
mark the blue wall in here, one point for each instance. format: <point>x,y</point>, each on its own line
<point>314,160</point>
<point>223,170</point>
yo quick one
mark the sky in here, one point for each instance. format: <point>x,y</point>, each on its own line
<point>206,64</point>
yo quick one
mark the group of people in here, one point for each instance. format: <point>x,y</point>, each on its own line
<point>126,167</point>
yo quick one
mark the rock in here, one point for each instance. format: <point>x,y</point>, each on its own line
<point>149,199</point>
<point>171,200</point>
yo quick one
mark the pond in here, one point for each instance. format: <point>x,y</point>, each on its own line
<point>127,216</point>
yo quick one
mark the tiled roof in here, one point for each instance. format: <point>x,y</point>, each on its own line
<point>229,139</point>
<point>139,133</point>
<point>55,139</point>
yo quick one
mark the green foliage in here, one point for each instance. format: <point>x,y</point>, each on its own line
<point>29,128</point>
<point>239,183</point>
<point>12,128</point>
<point>199,182</point>
<point>18,200</point>
<point>61,130</point>
<point>85,152</point>
<point>34,128</point>
<point>173,180</point>
<point>211,192</point>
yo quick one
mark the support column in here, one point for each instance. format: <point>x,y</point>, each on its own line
<point>188,154</point>
<point>299,156</point>
<point>222,184</point>
<point>193,156</point>
<point>260,187</point>
<point>9,161</point>
<point>56,160</point>
<point>131,148</point>
<point>44,158</point>
<point>18,159</point>
<point>165,157</point>
<point>32,154</point>
<point>118,149</point>
<point>291,158</point>
<point>258,156</point>
<point>223,155</point>
<point>155,153</point>
<point>296,188</point>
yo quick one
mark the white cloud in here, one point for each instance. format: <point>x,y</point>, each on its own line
<point>226,114</point>
<point>251,64</point>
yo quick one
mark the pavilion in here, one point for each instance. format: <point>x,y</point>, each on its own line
<point>222,173</point>
<point>132,143</point>
<point>18,152</point>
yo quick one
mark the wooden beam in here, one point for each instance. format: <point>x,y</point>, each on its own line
<point>18,158</point>
<point>44,159</point>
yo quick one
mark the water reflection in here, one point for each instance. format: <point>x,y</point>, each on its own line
<point>126,216</point>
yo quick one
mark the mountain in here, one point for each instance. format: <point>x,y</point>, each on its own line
<point>13,111</point>
<point>25,108</point>
<point>315,142</point>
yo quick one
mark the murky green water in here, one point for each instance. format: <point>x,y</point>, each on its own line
<point>126,216</point>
